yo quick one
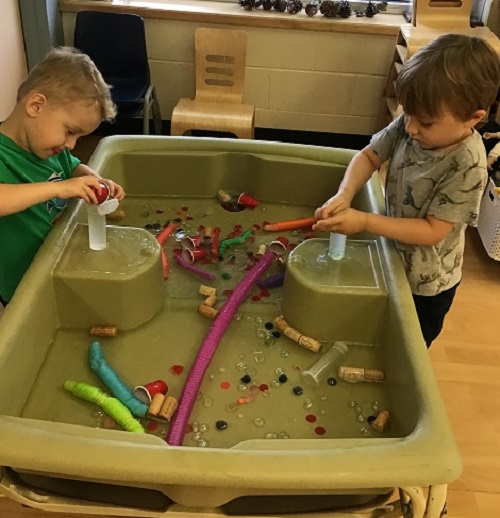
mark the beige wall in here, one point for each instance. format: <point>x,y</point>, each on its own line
<point>12,56</point>
<point>302,80</point>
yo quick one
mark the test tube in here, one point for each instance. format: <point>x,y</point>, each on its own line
<point>336,250</point>
<point>327,363</point>
<point>96,215</point>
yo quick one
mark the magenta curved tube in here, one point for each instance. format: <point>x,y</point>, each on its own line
<point>198,271</point>
<point>187,400</point>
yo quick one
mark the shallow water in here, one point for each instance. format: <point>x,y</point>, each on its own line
<point>262,407</point>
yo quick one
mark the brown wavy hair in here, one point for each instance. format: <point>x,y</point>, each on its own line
<point>454,72</point>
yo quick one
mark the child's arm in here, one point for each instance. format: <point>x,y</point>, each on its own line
<point>493,155</point>
<point>115,190</point>
<point>427,231</point>
<point>487,135</point>
<point>358,172</point>
<point>18,197</point>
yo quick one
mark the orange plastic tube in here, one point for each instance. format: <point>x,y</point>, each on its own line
<point>289,225</point>
<point>163,235</point>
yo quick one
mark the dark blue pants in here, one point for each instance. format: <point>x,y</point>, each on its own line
<point>431,312</point>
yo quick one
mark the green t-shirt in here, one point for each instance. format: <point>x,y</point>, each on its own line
<point>22,234</point>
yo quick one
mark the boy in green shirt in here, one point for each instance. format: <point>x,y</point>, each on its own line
<point>63,98</point>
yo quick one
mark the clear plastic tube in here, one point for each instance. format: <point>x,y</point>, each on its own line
<point>336,250</point>
<point>97,223</point>
<point>328,363</point>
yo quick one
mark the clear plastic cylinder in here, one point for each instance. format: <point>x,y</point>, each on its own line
<point>97,228</point>
<point>336,250</point>
<point>327,364</point>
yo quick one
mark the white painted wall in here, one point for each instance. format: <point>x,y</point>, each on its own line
<point>12,56</point>
<point>302,80</point>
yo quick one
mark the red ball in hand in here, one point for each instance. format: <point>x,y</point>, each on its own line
<point>104,192</point>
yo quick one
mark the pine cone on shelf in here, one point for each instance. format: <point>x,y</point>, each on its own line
<point>371,10</point>
<point>312,7</point>
<point>345,9</point>
<point>267,5</point>
<point>329,8</point>
<point>248,5</point>
<point>280,5</point>
<point>294,6</point>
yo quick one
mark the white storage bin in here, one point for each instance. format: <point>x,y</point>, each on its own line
<point>488,224</point>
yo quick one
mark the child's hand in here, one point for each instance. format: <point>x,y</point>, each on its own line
<point>349,221</point>
<point>490,161</point>
<point>115,190</point>
<point>334,205</point>
<point>78,187</point>
<point>487,135</point>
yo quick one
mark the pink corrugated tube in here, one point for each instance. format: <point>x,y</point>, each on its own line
<point>187,400</point>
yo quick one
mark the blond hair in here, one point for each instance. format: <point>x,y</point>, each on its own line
<point>68,75</point>
<point>455,72</point>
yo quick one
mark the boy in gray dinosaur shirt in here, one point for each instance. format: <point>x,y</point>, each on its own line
<point>436,173</point>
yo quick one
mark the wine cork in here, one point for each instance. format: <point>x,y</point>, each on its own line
<point>381,421</point>
<point>103,330</point>
<point>309,343</point>
<point>207,311</point>
<point>296,336</point>
<point>261,251</point>
<point>223,196</point>
<point>210,300</point>
<point>207,235</point>
<point>155,405</point>
<point>168,408</point>
<point>116,215</point>
<point>280,323</point>
<point>355,374</point>
<point>207,290</point>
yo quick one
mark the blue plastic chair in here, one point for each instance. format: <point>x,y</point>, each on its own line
<point>116,43</point>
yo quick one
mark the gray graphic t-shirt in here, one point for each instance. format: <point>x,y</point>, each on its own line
<point>446,184</point>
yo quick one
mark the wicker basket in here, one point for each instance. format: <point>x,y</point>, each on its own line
<point>488,224</point>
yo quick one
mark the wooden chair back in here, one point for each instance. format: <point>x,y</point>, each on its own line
<point>220,65</point>
<point>442,14</point>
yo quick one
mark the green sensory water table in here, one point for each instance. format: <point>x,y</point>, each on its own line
<point>286,448</point>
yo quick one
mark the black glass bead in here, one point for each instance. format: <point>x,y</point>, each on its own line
<point>221,425</point>
<point>246,379</point>
<point>268,325</point>
<point>276,334</point>
<point>331,381</point>
<point>283,378</point>
<point>298,391</point>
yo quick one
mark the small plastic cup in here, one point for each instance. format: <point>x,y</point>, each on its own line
<point>193,256</point>
<point>145,393</point>
<point>191,242</point>
<point>104,193</point>
<point>278,246</point>
<point>247,201</point>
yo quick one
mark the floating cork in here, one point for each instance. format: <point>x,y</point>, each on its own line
<point>155,405</point>
<point>207,311</point>
<point>103,331</point>
<point>356,374</point>
<point>261,251</point>
<point>207,235</point>
<point>116,215</point>
<point>210,300</point>
<point>223,196</point>
<point>380,421</point>
<point>206,291</point>
<point>296,336</point>
<point>168,408</point>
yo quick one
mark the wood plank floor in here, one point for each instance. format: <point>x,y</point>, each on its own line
<point>466,361</point>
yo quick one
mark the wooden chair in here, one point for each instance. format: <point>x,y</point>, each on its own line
<point>220,74</point>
